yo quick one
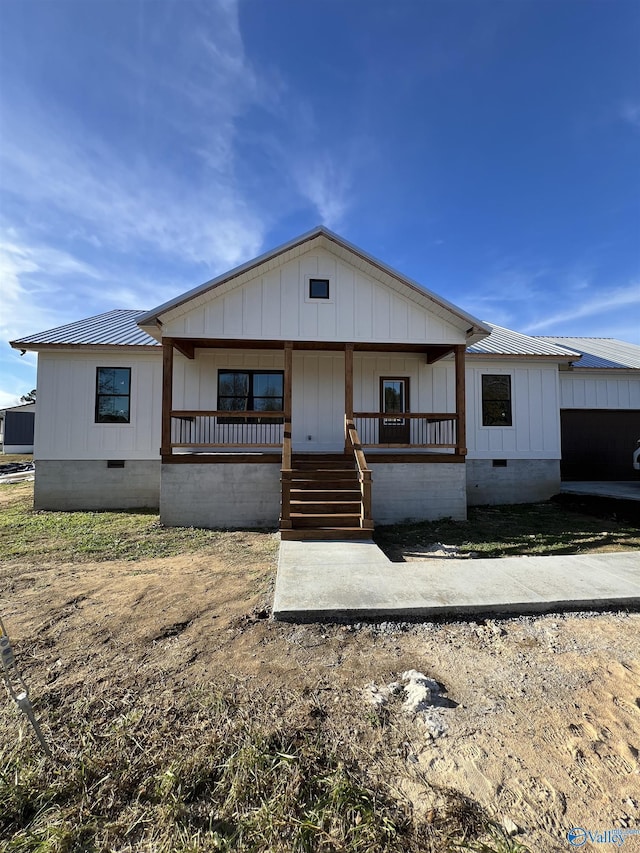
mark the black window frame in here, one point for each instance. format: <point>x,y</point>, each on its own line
<point>101,394</point>
<point>251,396</point>
<point>323,281</point>
<point>491,406</point>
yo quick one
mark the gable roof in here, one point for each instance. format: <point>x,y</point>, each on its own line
<point>113,328</point>
<point>319,237</point>
<point>605,353</point>
<point>506,342</point>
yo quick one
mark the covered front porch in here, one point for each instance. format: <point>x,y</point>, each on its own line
<point>345,431</point>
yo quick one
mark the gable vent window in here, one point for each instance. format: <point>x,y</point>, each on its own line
<point>496,400</point>
<point>318,288</point>
<point>113,395</point>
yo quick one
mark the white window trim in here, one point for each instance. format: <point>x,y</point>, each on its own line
<point>307,286</point>
<point>119,426</point>
<point>496,372</point>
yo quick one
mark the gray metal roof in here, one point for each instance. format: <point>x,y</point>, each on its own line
<point>506,342</point>
<point>606,353</point>
<point>120,328</point>
<point>114,328</point>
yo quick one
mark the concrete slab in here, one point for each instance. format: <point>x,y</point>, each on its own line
<point>627,490</point>
<point>324,581</point>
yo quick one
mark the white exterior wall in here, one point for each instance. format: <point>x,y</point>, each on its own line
<point>535,433</point>
<point>275,306</point>
<point>65,427</point>
<point>600,389</point>
<point>65,424</point>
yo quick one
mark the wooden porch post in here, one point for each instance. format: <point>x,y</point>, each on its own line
<point>288,367</point>
<point>285,473</point>
<point>167,396</point>
<point>348,388</point>
<point>461,442</point>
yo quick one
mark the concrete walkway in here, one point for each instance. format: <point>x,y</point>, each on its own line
<point>626,490</point>
<point>325,581</point>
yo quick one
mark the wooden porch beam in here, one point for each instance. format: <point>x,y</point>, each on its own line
<point>435,353</point>
<point>461,447</point>
<point>186,347</point>
<point>167,395</point>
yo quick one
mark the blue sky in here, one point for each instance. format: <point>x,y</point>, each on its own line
<point>490,150</point>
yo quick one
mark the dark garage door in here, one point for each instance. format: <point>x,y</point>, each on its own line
<point>598,444</point>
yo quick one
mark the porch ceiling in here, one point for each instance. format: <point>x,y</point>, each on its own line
<point>188,346</point>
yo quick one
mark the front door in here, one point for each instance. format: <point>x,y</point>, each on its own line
<point>394,401</point>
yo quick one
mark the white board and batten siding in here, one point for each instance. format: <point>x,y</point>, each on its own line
<point>594,389</point>
<point>67,394</point>
<point>275,305</point>
<point>535,432</point>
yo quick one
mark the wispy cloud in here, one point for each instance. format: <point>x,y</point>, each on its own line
<point>630,113</point>
<point>29,273</point>
<point>592,305</point>
<point>154,199</point>
<point>327,185</point>
<point>540,298</point>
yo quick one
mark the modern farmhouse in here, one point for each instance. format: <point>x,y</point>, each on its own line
<point>313,388</point>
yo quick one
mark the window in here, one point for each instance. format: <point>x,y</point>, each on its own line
<point>496,400</point>
<point>318,288</point>
<point>250,391</point>
<point>113,395</point>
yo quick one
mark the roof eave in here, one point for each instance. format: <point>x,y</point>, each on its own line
<point>521,355</point>
<point>36,347</point>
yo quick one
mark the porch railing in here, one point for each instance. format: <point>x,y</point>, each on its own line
<point>434,430</point>
<point>215,429</point>
<point>353,445</point>
<point>286,474</point>
<point>203,429</point>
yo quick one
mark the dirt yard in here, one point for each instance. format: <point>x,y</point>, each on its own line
<point>543,718</point>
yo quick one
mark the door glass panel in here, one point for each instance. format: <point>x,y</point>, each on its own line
<point>393,399</point>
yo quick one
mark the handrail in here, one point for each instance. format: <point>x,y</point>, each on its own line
<point>285,476</point>
<point>227,413</point>
<point>352,442</point>
<point>411,415</point>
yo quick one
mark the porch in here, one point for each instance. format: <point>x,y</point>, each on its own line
<point>330,488</point>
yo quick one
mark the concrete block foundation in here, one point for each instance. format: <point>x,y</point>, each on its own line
<point>418,492</point>
<point>511,481</point>
<point>81,484</point>
<point>213,495</point>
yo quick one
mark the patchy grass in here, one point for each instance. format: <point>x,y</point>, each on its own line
<point>220,771</point>
<point>96,536</point>
<point>7,458</point>
<point>520,529</point>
